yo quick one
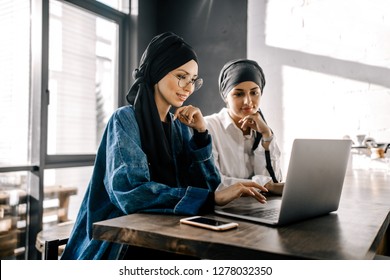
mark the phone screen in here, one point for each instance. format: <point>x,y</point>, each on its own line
<point>208,221</point>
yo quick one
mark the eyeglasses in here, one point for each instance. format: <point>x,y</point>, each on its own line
<point>185,80</point>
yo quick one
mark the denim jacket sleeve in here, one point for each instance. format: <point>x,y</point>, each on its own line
<point>127,178</point>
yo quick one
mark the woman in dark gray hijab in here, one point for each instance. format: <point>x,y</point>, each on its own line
<point>244,146</point>
<point>151,160</point>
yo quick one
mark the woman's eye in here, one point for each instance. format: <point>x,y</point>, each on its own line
<point>181,77</point>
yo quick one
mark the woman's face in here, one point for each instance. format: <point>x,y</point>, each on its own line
<point>243,100</point>
<point>167,90</point>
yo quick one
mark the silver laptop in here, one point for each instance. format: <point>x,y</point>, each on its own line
<point>312,188</point>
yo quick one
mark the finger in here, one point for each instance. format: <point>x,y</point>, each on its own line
<point>259,195</point>
<point>249,118</point>
<point>178,112</point>
<point>248,123</point>
<point>244,125</point>
<point>247,192</point>
<point>184,117</point>
<point>256,185</point>
<point>194,114</point>
<point>255,194</point>
<point>262,201</point>
<point>184,114</point>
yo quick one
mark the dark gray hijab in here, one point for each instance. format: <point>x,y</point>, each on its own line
<point>238,71</point>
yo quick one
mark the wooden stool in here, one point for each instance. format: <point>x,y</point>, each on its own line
<point>49,240</point>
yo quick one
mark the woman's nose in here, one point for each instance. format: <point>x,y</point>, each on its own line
<point>189,88</point>
<point>247,99</point>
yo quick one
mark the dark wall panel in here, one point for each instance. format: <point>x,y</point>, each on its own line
<point>146,24</point>
<point>217,29</point>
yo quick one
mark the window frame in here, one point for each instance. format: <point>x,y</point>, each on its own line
<point>39,100</point>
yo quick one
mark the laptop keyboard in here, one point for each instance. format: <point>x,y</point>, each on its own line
<point>269,214</point>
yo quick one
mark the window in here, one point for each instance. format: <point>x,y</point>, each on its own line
<point>327,64</point>
<point>14,81</point>
<point>67,187</point>
<point>83,78</point>
<point>120,5</point>
<point>14,120</point>
<point>63,68</point>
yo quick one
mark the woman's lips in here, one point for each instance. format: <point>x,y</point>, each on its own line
<point>247,109</point>
<point>182,97</point>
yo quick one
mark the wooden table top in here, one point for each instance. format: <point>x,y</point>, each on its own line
<point>354,231</point>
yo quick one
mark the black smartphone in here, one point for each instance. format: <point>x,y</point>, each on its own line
<point>208,223</point>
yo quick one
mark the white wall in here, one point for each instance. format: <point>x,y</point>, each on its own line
<point>327,66</point>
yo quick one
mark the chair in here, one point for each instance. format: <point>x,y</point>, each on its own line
<point>49,241</point>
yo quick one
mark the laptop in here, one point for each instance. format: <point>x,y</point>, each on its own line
<point>312,188</point>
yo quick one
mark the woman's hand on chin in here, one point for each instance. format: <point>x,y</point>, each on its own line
<point>192,117</point>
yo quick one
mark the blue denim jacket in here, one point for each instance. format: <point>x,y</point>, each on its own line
<point>120,183</point>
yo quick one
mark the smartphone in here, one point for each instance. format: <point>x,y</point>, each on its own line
<point>208,223</point>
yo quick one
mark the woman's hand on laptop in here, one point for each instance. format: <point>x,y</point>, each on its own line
<point>237,190</point>
<point>275,188</point>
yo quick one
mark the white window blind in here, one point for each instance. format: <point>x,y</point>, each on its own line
<point>82,78</point>
<point>14,81</point>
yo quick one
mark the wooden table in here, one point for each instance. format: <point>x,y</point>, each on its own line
<point>354,231</point>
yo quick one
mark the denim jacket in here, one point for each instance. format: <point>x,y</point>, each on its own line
<point>120,183</point>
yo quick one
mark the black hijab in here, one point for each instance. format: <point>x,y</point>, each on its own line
<point>164,53</point>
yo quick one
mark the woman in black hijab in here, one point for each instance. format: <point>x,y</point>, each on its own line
<point>244,146</point>
<point>149,159</point>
